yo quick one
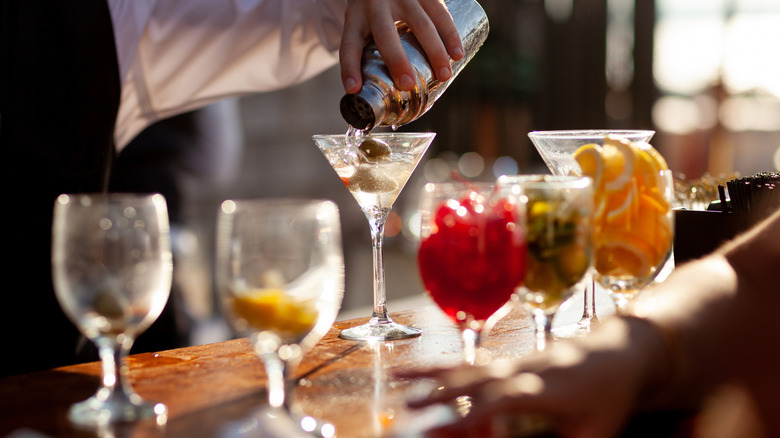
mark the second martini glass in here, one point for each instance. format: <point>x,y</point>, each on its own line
<point>557,150</point>
<point>375,169</point>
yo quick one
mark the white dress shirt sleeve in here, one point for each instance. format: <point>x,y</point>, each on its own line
<point>178,55</point>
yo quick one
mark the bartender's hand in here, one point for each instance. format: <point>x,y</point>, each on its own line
<point>585,388</point>
<point>429,20</point>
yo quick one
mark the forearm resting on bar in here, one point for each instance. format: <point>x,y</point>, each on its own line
<point>718,317</point>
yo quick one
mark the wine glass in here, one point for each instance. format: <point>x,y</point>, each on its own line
<point>280,278</point>
<point>557,151</point>
<point>633,235</point>
<point>472,254</point>
<point>559,242</point>
<point>112,267</point>
<point>375,169</point>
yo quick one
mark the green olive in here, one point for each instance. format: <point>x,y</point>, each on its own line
<point>374,149</point>
<point>108,304</point>
<point>371,181</point>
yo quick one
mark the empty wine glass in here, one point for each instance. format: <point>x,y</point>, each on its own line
<point>472,254</point>
<point>280,277</point>
<point>559,242</point>
<point>112,269</point>
<point>557,151</point>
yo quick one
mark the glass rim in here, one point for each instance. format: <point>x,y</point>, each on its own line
<point>590,133</point>
<point>111,195</point>
<point>455,183</point>
<point>448,185</point>
<point>89,199</point>
<point>569,181</point>
<point>232,206</point>
<point>379,134</point>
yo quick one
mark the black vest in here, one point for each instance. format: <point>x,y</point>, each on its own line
<point>59,97</point>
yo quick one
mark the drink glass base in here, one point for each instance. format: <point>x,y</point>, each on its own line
<point>94,412</point>
<point>379,329</point>
<point>269,422</point>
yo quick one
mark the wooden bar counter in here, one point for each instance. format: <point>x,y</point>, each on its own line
<point>209,387</point>
<point>210,390</point>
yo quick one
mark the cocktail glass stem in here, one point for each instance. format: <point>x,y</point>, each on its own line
<point>277,371</point>
<point>589,316</point>
<point>543,329</point>
<point>380,326</point>
<point>590,295</point>
<point>115,381</point>
<point>377,223</point>
<point>280,365</point>
<point>471,344</point>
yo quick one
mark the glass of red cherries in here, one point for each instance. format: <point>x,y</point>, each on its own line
<point>472,254</point>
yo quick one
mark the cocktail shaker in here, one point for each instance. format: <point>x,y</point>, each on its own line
<point>380,103</point>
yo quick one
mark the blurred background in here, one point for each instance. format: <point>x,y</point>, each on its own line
<point>705,74</point>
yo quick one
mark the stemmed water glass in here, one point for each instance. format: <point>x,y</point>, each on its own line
<point>559,242</point>
<point>375,168</point>
<point>280,277</point>
<point>472,254</point>
<point>633,239</point>
<point>112,268</point>
<point>557,151</point>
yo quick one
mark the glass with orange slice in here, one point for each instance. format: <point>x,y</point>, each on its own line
<point>280,279</point>
<point>557,149</point>
<point>633,224</point>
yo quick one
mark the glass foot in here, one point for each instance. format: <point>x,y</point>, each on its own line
<point>96,412</point>
<point>276,423</point>
<point>569,331</point>
<point>587,323</point>
<point>379,329</point>
<point>573,330</point>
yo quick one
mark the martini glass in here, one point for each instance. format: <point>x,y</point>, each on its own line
<point>557,150</point>
<point>375,169</point>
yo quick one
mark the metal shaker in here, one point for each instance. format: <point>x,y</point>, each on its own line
<point>380,103</point>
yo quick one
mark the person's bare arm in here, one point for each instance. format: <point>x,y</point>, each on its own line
<point>429,20</point>
<point>713,320</point>
<point>722,313</point>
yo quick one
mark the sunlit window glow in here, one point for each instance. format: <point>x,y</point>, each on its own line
<point>687,53</point>
<point>698,42</point>
<point>676,115</point>
<point>751,59</point>
<point>751,114</point>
